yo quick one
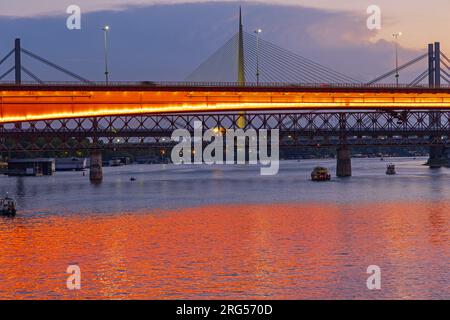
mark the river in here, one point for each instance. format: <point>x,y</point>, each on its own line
<point>225,232</point>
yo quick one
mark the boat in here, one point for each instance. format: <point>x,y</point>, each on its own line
<point>7,207</point>
<point>115,163</point>
<point>320,174</point>
<point>390,170</point>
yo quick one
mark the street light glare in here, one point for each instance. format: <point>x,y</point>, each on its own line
<point>105,33</point>
<point>396,36</point>
<point>257,32</point>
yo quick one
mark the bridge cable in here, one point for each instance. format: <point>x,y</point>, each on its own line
<point>309,72</point>
<point>280,62</point>
<point>445,79</point>
<point>446,73</point>
<point>55,66</point>
<point>227,57</point>
<point>277,64</point>
<point>251,59</point>
<point>293,71</point>
<point>267,68</point>
<point>289,75</point>
<point>229,53</point>
<point>445,65</point>
<point>419,79</point>
<point>445,57</point>
<point>7,72</point>
<point>219,67</point>
<point>390,73</point>
<point>309,62</point>
<point>28,72</point>
<point>211,61</point>
<point>7,56</point>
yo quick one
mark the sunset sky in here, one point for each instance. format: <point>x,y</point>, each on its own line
<point>169,38</point>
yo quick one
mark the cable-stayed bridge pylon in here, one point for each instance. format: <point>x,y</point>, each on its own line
<point>18,66</point>
<point>272,63</point>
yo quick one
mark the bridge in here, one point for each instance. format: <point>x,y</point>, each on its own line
<point>312,105</point>
<point>19,103</point>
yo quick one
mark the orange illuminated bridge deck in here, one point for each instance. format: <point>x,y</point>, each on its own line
<point>53,101</point>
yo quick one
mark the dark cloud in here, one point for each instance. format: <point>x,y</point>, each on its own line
<point>166,42</point>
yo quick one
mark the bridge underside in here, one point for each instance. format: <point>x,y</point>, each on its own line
<point>31,103</point>
<point>307,129</point>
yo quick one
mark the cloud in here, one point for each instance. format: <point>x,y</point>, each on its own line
<point>413,17</point>
<point>28,8</point>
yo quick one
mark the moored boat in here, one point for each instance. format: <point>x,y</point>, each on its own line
<point>390,170</point>
<point>7,206</point>
<point>320,174</point>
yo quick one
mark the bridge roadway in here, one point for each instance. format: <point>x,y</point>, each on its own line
<point>30,102</point>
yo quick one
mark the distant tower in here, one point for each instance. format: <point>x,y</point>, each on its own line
<point>241,120</point>
<point>241,69</point>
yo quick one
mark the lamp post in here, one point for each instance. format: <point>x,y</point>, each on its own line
<point>396,36</point>
<point>257,32</point>
<point>105,32</point>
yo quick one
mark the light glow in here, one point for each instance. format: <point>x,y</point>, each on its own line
<point>25,105</point>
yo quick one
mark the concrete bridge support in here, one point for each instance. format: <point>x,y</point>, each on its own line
<point>96,168</point>
<point>438,154</point>
<point>344,162</point>
<point>438,157</point>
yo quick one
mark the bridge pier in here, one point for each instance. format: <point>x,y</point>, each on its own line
<point>438,157</point>
<point>438,154</point>
<point>96,169</point>
<point>344,162</point>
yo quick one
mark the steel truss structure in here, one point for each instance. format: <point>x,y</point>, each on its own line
<point>296,129</point>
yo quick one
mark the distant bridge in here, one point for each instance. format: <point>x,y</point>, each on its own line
<point>297,129</point>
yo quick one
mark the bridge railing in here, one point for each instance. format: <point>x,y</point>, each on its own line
<point>219,84</point>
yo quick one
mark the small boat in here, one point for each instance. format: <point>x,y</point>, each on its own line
<point>7,207</point>
<point>320,174</point>
<point>390,170</point>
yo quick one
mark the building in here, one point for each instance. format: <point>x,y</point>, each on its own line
<point>71,164</point>
<point>31,167</point>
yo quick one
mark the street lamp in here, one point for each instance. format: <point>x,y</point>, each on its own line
<point>396,36</point>
<point>105,32</point>
<point>257,32</point>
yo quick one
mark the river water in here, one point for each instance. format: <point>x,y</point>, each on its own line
<point>225,232</point>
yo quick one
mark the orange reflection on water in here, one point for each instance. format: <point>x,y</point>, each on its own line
<point>233,251</point>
